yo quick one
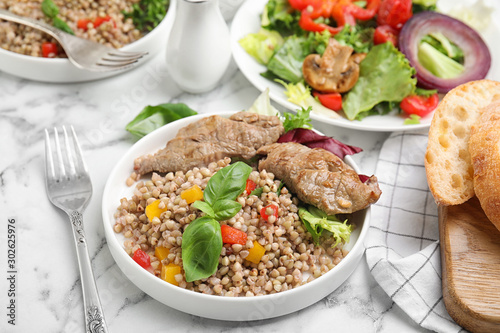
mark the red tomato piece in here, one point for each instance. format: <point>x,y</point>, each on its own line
<point>49,50</point>
<point>394,13</point>
<point>100,20</point>
<point>385,33</point>
<point>83,24</point>
<point>265,215</point>
<point>142,258</point>
<point>419,105</point>
<point>330,100</point>
<point>250,186</point>
<point>232,235</point>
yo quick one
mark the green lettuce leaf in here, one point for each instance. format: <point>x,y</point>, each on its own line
<point>357,37</point>
<point>278,15</point>
<point>385,76</point>
<point>261,45</point>
<point>286,63</point>
<point>317,221</point>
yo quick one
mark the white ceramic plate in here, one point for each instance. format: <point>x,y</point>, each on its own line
<point>60,70</point>
<point>247,20</point>
<point>211,306</point>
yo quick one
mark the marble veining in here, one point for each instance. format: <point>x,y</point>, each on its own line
<point>48,286</point>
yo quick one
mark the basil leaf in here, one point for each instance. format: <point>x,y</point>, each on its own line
<point>153,117</point>
<point>227,183</point>
<point>61,25</point>
<point>204,207</point>
<point>225,209</point>
<point>50,9</point>
<point>201,247</point>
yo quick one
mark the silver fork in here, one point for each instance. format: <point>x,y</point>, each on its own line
<point>69,188</point>
<point>83,53</point>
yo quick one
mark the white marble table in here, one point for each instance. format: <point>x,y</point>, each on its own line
<point>48,293</point>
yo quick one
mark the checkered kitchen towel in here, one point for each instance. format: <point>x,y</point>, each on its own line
<point>402,246</point>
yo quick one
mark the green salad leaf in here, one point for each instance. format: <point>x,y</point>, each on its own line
<point>261,45</point>
<point>153,117</point>
<point>286,63</point>
<point>357,37</point>
<point>278,15</point>
<point>300,119</point>
<point>262,105</point>
<point>316,221</point>
<point>385,76</point>
<point>147,14</point>
<point>201,247</point>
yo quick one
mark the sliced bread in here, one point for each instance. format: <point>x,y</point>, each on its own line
<point>447,160</point>
<point>484,148</point>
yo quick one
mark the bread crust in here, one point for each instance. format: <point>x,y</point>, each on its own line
<point>484,148</point>
<point>447,160</point>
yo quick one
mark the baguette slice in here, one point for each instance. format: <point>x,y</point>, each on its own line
<point>484,148</point>
<point>447,160</point>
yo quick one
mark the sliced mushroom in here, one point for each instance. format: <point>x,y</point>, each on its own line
<point>337,70</point>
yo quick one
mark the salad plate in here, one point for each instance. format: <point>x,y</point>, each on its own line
<point>247,20</point>
<point>212,306</point>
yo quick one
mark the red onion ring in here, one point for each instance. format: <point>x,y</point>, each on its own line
<point>477,57</point>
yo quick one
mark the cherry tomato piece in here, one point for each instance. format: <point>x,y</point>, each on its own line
<point>394,13</point>
<point>250,186</point>
<point>385,33</point>
<point>49,50</point>
<point>232,235</point>
<point>268,211</point>
<point>330,100</point>
<point>142,258</point>
<point>419,105</point>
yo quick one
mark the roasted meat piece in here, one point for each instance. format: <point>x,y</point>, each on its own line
<point>211,139</point>
<point>319,177</point>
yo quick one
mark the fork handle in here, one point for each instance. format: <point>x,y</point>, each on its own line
<point>40,25</point>
<point>94,316</point>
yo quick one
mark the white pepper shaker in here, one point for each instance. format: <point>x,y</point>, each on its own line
<point>198,48</point>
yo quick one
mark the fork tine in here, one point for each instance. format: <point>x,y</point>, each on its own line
<point>126,54</point>
<point>49,168</point>
<point>114,63</point>
<point>62,170</point>
<point>79,162</point>
<point>69,154</point>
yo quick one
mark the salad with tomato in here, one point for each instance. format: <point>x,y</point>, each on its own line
<point>356,59</point>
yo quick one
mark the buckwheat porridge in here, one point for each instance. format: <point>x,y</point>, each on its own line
<point>103,21</point>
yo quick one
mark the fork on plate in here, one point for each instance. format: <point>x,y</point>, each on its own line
<point>83,53</point>
<point>69,188</point>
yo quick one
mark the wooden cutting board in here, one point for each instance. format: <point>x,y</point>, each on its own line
<point>470,263</point>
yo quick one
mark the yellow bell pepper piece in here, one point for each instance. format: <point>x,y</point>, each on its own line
<point>192,194</point>
<point>255,253</point>
<point>153,211</point>
<point>161,252</point>
<point>168,273</point>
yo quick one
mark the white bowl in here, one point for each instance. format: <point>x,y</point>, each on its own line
<point>211,306</point>
<point>61,70</point>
